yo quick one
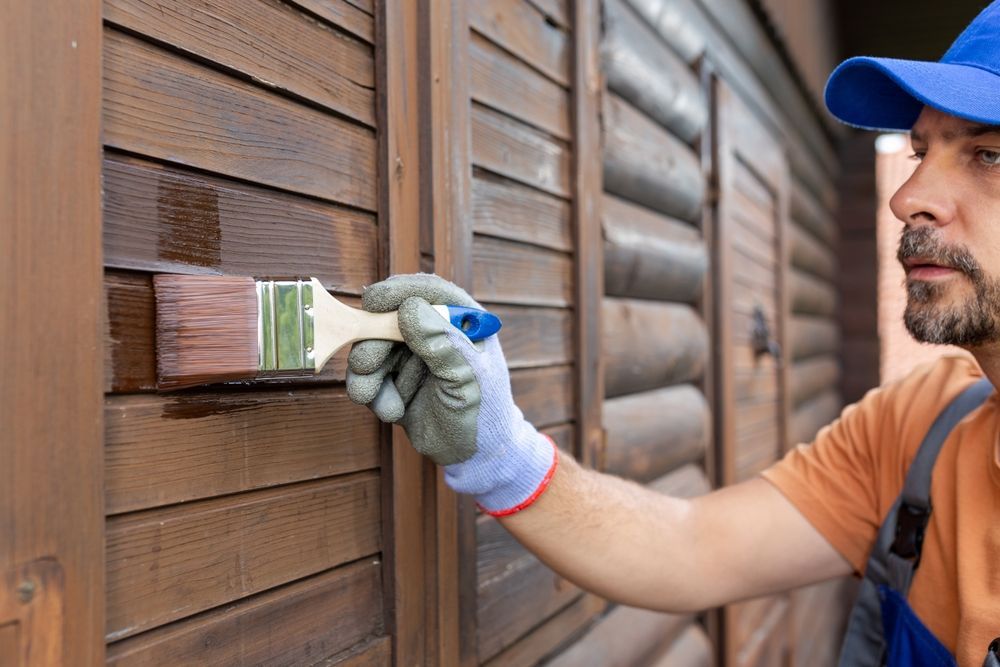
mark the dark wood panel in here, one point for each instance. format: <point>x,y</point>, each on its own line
<point>813,336</point>
<point>810,295</point>
<point>646,164</point>
<point>814,414</point>
<point>501,81</point>
<point>519,27</point>
<point>351,15</point>
<point>535,336</point>
<point>648,345</point>
<point>626,636</point>
<point>130,338</point>
<point>268,42</point>
<point>651,433</point>
<point>650,256</point>
<point>163,106</point>
<point>161,450</point>
<point>643,70</point>
<point>163,219</point>
<point>169,563</point>
<point>513,149</point>
<point>515,273</point>
<point>545,640</point>
<point>292,625</point>
<point>545,395</point>
<point>375,653</point>
<point>809,254</point>
<point>509,210</point>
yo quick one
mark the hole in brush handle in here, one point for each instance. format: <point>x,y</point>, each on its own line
<point>475,323</point>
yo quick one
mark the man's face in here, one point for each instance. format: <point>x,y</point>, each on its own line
<point>950,246</point>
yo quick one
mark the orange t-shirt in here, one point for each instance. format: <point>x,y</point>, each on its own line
<point>846,481</point>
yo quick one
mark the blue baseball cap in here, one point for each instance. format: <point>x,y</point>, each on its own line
<point>888,94</point>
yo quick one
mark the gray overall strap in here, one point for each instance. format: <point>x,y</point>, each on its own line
<point>896,552</point>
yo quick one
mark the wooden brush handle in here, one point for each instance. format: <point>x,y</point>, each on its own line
<point>380,326</point>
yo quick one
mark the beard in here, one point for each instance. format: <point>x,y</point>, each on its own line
<point>974,321</point>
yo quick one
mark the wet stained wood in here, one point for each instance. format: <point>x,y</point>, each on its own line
<point>268,42</point>
<point>292,625</point>
<point>349,15</point>
<point>503,82</point>
<point>809,212</point>
<point>545,395</point>
<point>515,273</point>
<point>648,345</point>
<point>534,337</point>
<point>646,72</point>
<point>625,636</point>
<point>506,209</point>
<point>519,27</point>
<point>812,415</point>
<point>650,256</point>
<point>130,337</point>
<point>809,254</point>
<point>812,376</point>
<point>164,219</point>
<point>646,164</point>
<point>166,564</point>
<point>810,295</point>
<point>678,24</point>
<point>813,336</point>
<point>651,433</point>
<point>163,106</point>
<point>165,449</point>
<point>513,149</point>
<point>555,632</point>
<point>692,649</point>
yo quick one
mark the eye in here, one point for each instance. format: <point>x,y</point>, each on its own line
<point>918,155</point>
<point>990,158</point>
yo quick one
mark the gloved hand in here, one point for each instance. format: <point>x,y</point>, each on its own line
<point>451,395</point>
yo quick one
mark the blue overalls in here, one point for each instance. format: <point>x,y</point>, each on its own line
<point>883,630</point>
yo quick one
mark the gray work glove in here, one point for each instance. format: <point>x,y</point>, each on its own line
<point>451,395</point>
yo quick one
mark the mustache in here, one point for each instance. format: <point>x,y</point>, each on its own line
<point>923,242</point>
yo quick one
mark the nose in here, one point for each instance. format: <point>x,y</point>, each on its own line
<point>925,198</point>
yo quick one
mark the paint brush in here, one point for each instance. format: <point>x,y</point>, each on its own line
<point>222,329</point>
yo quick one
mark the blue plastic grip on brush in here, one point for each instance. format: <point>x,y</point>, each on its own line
<point>474,323</point>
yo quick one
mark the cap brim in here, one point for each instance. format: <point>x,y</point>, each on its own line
<point>888,94</point>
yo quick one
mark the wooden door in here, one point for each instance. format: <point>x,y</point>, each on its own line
<point>752,408</point>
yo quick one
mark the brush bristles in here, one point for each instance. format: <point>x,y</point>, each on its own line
<point>206,330</point>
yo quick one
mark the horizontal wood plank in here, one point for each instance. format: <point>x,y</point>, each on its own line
<point>687,481</point>
<point>692,649</point>
<point>647,345</point>
<point>678,24</point>
<point>374,653</point>
<point>813,336</point>
<point>292,625</point>
<point>503,82</point>
<point>164,219</point>
<point>269,42</point>
<point>166,564</point>
<point>514,273</point>
<point>810,295</point>
<point>519,27</point>
<point>166,449</point>
<point>650,256</point>
<point>513,149</point>
<point>535,336</point>
<point>651,433</point>
<point>545,395</point>
<point>626,636</point>
<point>555,11</point>
<point>646,72</point>
<point>350,15</point>
<point>546,639</point>
<point>506,209</point>
<point>808,212</point>
<point>809,254</point>
<point>646,164</point>
<point>810,377</point>
<point>809,417</point>
<point>163,106</point>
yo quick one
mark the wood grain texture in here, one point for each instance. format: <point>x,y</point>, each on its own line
<point>533,337</point>
<point>650,256</point>
<point>130,338</point>
<point>812,415</point>
<point>519,27</point>
<point>163,219</point>
<point>651,433</point>
<point>515,273</point>
<point>555,632</point>
<point>505,83</point>
<point>374,653</point>
<point>547,396</point>
<point>808,212</point>
<point>811,296</point>
<point>269,42</point>
<point>513,149</point>
<point>506,209</point>
<point>678,24</point>
<point>649,75</point>
<point>811,255</point>
<point>165,564</point>
<point>813,336</point>
<point>692,649</point>
<point>159,105</point>
<point>352,16</point>
<point>161,450</point>
<point>50,398</point>
<point>626,636</point>
<point>296,624</point>
<point>649,345</point>
<point>647,165</point>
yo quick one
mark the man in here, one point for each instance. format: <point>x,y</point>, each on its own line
<point>816,514</point>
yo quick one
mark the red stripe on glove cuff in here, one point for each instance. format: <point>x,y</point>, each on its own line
<point>544,484</point>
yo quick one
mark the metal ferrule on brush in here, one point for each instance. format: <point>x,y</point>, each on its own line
<point>285,328</point>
